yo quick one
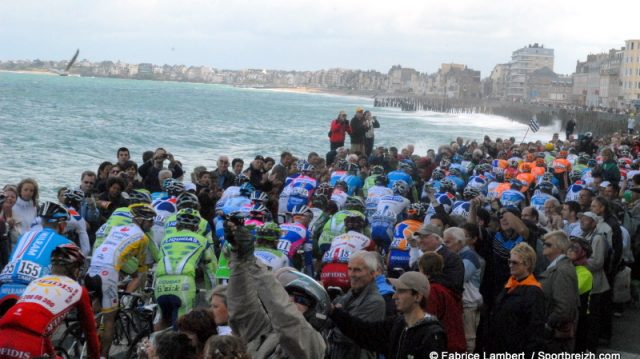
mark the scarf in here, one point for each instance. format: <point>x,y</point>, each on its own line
<point>513,283</point>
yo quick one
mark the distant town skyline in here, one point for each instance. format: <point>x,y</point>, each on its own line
<point>310,35</point>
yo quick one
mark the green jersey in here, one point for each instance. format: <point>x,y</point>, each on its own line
<point>335,226</point>
<point>120,217</point>
<point>204,229</point>
<point>368,183</point>
<point>182,251</point>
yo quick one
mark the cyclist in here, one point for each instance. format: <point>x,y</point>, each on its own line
<point>397,202</point>
<point>26,329</point>
<point>124,249</point>
<point>186,200</point>
<point>181,252</point>
<point>335,261</point>
<point>376,192</point>
<point>122,215</point>
<point>76,229</point>
<point>335,225</point>
<point>399,249</point>
<point>295,236</point>
<point>31,257</point>
<point>371,180</point>
<point>267,237</point>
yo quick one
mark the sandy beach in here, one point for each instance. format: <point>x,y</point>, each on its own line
<point>34,72</point>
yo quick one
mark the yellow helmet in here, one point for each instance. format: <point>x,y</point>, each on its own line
<point>549,146</point>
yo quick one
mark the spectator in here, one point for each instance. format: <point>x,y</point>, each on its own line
<point>338,129</point>
<point>225,347</point>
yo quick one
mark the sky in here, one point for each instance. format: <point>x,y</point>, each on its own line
<point>314,34</point>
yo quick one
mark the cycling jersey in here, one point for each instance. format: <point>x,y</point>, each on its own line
<point>336,176</point>
<point>393,203</point>
<point>394,176</point>
<point>165,206</point>
<point>512,198</point>
<point>339,197</point>
<point>30,260</point>
<point>573,191</point>
<point>382,224</point>
<point>373,197</point>
<point>294,237</point>
<point>274,259</point>
<point>120,217</point>
<point>344,245</point>
<point>399,249</point>
<point>76,230</point>
<point>538,199</point>
<point>458,182</point>
<point>461,208</point>
<point>180,254</point>
<point>368,183</point>
<point>492,192</point>
<point>204,229</point>
<point>28,326</point>
<point>123,244</point>
<point>334,227</point>
<point>435,184</point>
<point>354,183</point>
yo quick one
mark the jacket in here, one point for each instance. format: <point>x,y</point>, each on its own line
<point>224,180</point>
<point>392,337</point>
<point>338,130</point>
<point>453,270</point>
<point>560,287</point>
<point>23,213</point>
<point>149,174</point>
<point>261,313</point>
<point>596,263</point>
<point>443,304</point>
<point>357,130</point>
<point>517,321</point>
<point>368,305</point>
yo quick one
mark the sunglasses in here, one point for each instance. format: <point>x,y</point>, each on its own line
<point>547,244</point>
<point>514,263</point>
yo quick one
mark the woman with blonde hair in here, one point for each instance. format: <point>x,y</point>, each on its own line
<point>518,316</point>
<point>24,211</point>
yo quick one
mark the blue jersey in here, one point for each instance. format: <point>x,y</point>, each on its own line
<point>459,182</point>
<point>573,191</point>
<point>336,176</point>
<point>354,182</point>
<point>394,176</point>
<point>538,199</point>
<point>296,237</point>
<point>512,198</point>
<point>31,258</point>
<point>461,208</point>
<point>382,223</point>
<point>165,206</point>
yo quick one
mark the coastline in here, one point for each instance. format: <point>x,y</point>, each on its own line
<point>32,72</point>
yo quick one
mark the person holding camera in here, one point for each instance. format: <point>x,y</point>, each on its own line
<point>150,169</point>
<point>338,130</point>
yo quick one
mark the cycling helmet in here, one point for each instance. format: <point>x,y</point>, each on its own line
<point>246,189</point>
<point>52,212</point>
<point>588,135</point>
<point>188,217</point>
<point>454,171</point>
<point>187,200</point>
<point>342,184</point>
<point>354,203</point>
<point>300,164</point>
<point>525,168</point>
<point>549,146</point>
<point>269,231</point>
<point>259,196</point>
<point>354,222</point>
<point>381,180</point>
<point>404,166</point>
<point>240,179</point>
<point>341,165</point>
<point>377,170</point>
<point>516,184</point>
<point>516,152</point>
<point>624,153</point>
<point>470,192</point>
<point>583,158</point>
<point>303,287</point>
<point>484,168</point>
<point>76,195</point>
<point>445,163</point>
<point>306,167</point>
<point>299,210</point>
<point>447,185</point>
<point>545,186</point>
<point>174,188</point>
<point>622,163</point>
<point>548,176</point>
<point>456,158</point>
<point>319,200</point>
<point>499,176</point>
<point>258,210</point>
<point>142,211</point>
<point>513,163</point>
<point>352,167</point>
<point>437,174</point>
<point>67,253</point>
<point>324,188</point>
<point>167,182</point>
<point>400,187</point>
<point>139,196</point>
<point>575,175</point>
<point>592,163</point>
<point>416,210</point>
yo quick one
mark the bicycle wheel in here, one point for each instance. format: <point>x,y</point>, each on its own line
<point>71,343</point>
<point>123,335</point>
<point>132,352</point>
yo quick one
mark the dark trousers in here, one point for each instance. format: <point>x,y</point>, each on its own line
<point>336,145</point>
<point>600,313</point>
<point>368,146</point>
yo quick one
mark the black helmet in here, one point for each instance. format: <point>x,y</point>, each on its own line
<point>187,200</point>
<point>354,222</point>
<point>381,180</point>
<point>68,253</point>
<point>354,203</point>
<point>139,196</point>
<point>240,179</point>
<point>188,217</point>
<point>52,212</point>
<point>76,195</point>
<point>142,211</point>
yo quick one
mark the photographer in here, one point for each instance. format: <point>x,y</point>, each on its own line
<point>150,169</point>
<point>338,130</point>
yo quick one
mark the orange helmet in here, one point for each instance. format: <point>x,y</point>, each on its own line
<point>525,167</point>
<point>563,154</point>
<point>540,162</point>
<point>508,175</point>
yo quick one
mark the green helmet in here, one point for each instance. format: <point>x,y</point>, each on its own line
<point>269,231</point>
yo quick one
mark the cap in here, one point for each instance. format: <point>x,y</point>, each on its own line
<point>591,215</point>
<point>189,186</point>
<point>429,229</point>
<point>605,184</point>
<point>259,157</point>
<point>359,109</point>
<point>412,280</point>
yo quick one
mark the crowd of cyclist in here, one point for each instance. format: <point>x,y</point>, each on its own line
<point>451,228</point>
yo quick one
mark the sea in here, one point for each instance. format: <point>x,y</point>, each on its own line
<point>53,128</point>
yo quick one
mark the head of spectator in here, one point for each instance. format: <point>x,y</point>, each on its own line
<point>522,261</point>
<point>28,191</point>
<point>219,305</point>
<point>531,214</point>
<point>412,292</point>
<point>362,269</point>
<point>555,244</point>
<point>269,163</point>
<point>171,345</point>
<point>123,155</point>
<point>225,347</point>
<point>198,325</point>
<point>223,164</point>
<point>612,191</point>
<point>237,164</point>
<point>88,181</point>
<point>428,237</point>
<point>600,206</point>
<point>454,238</point>
<point>579,251</point>
<point>570,210</point>
<point>471,234</point>
<point>130,168</point>
<point>588,222</point>
<point>147,156</point>
<point>585,196</point>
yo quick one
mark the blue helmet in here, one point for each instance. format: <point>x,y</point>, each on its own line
<point>246,189</point>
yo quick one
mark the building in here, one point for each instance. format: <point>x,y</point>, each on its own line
<point>596,81</point>
<point>497,84</point>
<point>454,81</point>
<point>523,62</point>
<point>403,80</point>
<point>630,72</point>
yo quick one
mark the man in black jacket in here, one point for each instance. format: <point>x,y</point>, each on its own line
<point>411,334</point>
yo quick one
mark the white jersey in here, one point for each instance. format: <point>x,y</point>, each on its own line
<point>394,203</point>
<point>118,245</point>
<point>374,195</point>
<point>491,190</point>
<point>272,258</point>
<point>39,292</point>
<point>344,245</point>
<point>230,192</point>
<point>339,197</point>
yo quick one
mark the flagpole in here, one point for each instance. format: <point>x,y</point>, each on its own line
<point>525,135</point>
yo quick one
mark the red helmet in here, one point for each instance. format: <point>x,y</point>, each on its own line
<point>68,253</point>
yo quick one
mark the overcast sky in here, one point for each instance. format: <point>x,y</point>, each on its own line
<point>315,34</point>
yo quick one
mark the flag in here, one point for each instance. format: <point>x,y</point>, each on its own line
<point>533,124</point>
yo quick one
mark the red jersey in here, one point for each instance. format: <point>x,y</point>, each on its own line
<point>39,312</point>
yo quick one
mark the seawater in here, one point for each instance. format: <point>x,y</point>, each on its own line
<point>53,128</point>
